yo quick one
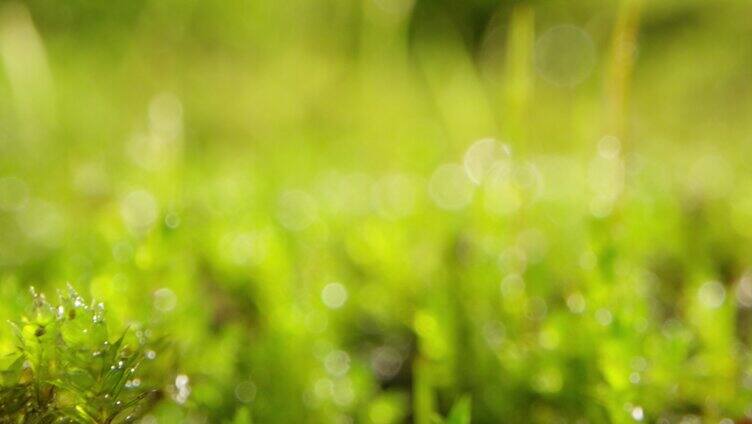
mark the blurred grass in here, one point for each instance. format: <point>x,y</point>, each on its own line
<point>296,193</point>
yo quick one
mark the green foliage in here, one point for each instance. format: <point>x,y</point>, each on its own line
<point>460,413</point>
<point>69,370</point>
<point>363,210</point>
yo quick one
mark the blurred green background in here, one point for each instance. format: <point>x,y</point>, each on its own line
<point>351,211</point>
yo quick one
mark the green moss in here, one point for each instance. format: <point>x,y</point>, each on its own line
<point>68,369</point>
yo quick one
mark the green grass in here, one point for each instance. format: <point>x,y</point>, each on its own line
<point>382,211</point>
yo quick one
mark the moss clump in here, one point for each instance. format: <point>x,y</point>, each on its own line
<point>67,369</point>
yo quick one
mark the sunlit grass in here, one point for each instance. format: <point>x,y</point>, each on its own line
<point>383,211</point>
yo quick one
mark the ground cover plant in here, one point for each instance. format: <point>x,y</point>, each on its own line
<point>68,369</point>
<point>377,211</point>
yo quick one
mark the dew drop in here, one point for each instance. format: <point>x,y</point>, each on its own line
<point>297,210</point>
<point>450,188</point>
<point>564,55</point>
<point>337,363</point>
<point>576,303</point>
<point>334,295</point>
<point>482,156</point>
<point>139,210</point>
<point>637,413</point>
<point>165,300</point>
<point>609,147</point>
<point>711,294</point>
<point>603,316</point>
<point>183,388</point>
<point>386,362</point>
<point>245,391</point>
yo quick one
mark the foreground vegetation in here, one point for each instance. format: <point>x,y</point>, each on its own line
<point>67,369</point>
<point>382,211</point>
